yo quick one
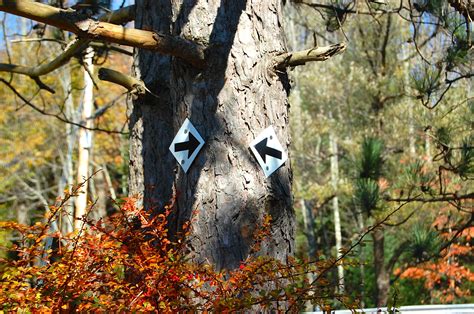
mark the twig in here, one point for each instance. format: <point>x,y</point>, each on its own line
<point>444,198</point>
<point>44,112</point>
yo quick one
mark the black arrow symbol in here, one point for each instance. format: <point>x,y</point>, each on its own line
<point>190,145</point>
<point>264,150</point>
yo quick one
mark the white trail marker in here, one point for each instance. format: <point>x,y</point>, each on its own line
<point>268,151</point>
<point>186,145</point>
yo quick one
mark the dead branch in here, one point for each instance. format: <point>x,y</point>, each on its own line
<point>132,84</point>
<point>119,16</point>
<point>86,27</point>
<point>291,59</point>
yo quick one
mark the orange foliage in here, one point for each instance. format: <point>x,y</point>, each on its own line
<point>444,277</point>
<point>128,263</point>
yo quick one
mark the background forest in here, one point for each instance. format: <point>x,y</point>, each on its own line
<point>381,131</point>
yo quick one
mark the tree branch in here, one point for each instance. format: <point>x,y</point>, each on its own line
<point>396,255</point>
<point>341,10</point>
<point>464,7</point>
<point>86,27</point>
<point>60,116</point>
<point>444,198</point>
<point>119,16</point>
<point>290,59</point>
<point>75,47</point>
<point>132,84</point>
<point>444,246</point>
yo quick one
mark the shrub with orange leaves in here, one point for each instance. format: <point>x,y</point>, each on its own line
<point>129,263</point>
<point>446,278</point>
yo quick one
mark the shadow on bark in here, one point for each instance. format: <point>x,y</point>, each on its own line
<point>227,221</point>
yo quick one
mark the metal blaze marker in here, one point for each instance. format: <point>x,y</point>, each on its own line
<point>189,146</point>
<point>186,145</point>
<point>268,151</point>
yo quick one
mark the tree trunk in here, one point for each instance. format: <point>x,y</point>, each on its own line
<point>381,274</point>
<point>99,191</point>
<point>308,221</point>
<point>411,130</point>
<point>67,180</point>
<point>360,222</point>
<point>335,205</point>
<point>230,103</point>
<point>85,140</point>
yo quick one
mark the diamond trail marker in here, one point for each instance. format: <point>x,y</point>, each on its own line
<point>186,145</point>
<point>268,151</point>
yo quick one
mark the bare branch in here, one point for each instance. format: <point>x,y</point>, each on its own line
<point>42,85</point>
<point>59,116</point>
<point>341,10</point>
<point>83,26</point>
<point>120,16</point>
<point>132,84</point>
<point>290,59</point>
<point>443,198</point>
<point>63,58</point>
<point>99,45</point>
<point>464,7</point>
<point>402,247</point>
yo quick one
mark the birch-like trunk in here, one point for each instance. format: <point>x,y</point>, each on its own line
<point>333,151</point>
<point>411,130</point>
<point>230,102</point>
<point>85,140</point>
<point>360,222</point>
<point>67,176</point>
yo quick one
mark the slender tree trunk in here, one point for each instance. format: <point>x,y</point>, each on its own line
<point>85,140</point>
<point>360,220</point>
<point>108,181</point>
<point>124,154</point>
<point>308,220</point>
<point>230,103</point>
<point>381,274</point>
<point>411,130</point>
<point>410,104</point>
<point>66,180</point>
<point>22,216</point>
<point>99,192</point>
<point>429,157</point>
<point>333,151</point>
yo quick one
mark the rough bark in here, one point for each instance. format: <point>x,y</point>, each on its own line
<point>230,102</point>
